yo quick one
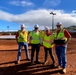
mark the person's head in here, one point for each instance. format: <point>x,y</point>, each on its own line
<point>59,25</point>
<point>47,30</point>
<point>36,27</point>
<point>22,27</point>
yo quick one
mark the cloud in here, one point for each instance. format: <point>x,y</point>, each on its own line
<point>21,3</point>
<point>41,17</point>
<point>5,16</point>
<point>51,3</point>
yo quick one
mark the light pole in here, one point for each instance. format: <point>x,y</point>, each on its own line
<point>53,20</point>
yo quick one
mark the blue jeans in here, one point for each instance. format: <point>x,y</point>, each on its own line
<point>21,44</point>
<point>61,54</point>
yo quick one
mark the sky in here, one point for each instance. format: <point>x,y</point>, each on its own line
<point>13,13</point>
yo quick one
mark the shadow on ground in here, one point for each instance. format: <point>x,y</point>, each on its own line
<point>28,69</point>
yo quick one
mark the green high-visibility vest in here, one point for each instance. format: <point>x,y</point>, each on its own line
<point>45,43</point>
<point>35,37</point>
<point>22,37</point>
<point>60,35</point>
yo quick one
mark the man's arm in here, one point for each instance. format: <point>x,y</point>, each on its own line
<point>67,35</point>
<point>68,39</point>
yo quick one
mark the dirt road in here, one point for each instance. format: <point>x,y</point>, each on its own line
<point>8,66</point>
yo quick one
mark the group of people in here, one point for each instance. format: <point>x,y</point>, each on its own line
<point>47,39</point>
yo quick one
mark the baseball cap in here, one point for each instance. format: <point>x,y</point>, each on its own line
<point>46,28</point>
<point>22,25</point>
<point>36,26</point>
<point>58,24</point>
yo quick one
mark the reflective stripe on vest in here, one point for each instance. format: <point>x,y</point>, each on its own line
<point>47,41</point>
<point>35,37</point>
<point>22,37</point>
<point>60,35</point>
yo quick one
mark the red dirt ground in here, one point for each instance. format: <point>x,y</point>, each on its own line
<point>8,66</point>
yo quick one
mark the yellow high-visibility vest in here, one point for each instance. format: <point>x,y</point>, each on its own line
<point>22,37</point>
<point>47,40</point>
<point>60,35</point>
<point>35,37</point>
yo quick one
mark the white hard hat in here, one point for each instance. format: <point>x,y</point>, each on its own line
<point>46,28</point>
<point>22,25</point>
<point>36,26</point>
<point>59,23</point>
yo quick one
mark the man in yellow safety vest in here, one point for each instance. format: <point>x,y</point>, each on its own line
<point>21,37</point>
<point>61,38</point>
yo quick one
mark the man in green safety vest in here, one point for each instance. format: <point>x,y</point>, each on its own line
<point>35,43</point>
<point>61,38</point>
